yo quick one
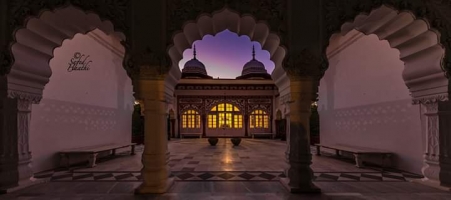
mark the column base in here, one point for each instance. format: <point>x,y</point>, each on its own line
<point>25,170</point>
<point>431,183</point>
<point>431,170</point>
<point>143,189</point>
<point>309,189</point>
<point>27,183</point>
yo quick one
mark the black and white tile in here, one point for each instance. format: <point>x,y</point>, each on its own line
<point>253,160</point>
<point>119,176</point>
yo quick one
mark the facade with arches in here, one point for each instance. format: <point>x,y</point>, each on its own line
<point>154,35</point>
<point>240,107</point>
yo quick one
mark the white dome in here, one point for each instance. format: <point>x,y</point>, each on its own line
<point>254,66</point>
<point>194,66</point>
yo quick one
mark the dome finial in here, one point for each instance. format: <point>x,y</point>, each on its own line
<point>253,52</point>
<point>194,52</point>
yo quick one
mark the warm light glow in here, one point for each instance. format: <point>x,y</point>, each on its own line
<point>190,119</point>
<point>225,115</point>
<point>136,102</point>
<point>259,119</point>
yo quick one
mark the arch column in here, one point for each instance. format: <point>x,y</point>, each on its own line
<point>298,155</point>
<point>15,154</point>
<point>8,142</point>
<point>431,169</point>
<point>437,156</point>
<point>155,171</point>
<point>23,129</point>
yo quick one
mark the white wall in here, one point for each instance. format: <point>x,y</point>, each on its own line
<point>82,108</point>
<point>363,100</point>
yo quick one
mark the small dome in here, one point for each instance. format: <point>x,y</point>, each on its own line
<point>254,69</point>
<point>194,68</point>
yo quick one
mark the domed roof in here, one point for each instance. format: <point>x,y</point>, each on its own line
<point>254,68</point>
<point>194,68</point>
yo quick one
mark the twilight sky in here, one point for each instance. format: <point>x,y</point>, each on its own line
<point>225,54</point>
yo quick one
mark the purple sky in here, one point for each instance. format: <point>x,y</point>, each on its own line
<point>225,54</point>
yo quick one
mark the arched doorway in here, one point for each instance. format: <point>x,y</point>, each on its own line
<point>35,40</point>
<point>421,70</point>
<point>281,124</point>
<point>225,120</point>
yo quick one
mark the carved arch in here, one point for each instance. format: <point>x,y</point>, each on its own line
<point>241,25</point>
<point>419,46</point>
<point>34,45</point>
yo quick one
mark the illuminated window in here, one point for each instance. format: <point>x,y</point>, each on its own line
<point>225,115</point>
<point>190,119</point>
<point>259,119</point>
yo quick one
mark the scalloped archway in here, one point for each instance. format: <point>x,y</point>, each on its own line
<point>423,74</point>
<point>242,25</point>
<point>419,48</point>
<point>33,48</point>
<point>35,43</point>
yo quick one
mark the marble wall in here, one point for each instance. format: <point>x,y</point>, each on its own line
<point>90,104</point>
<point>363,100</point>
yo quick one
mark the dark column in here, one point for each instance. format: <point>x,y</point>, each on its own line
<point>204,126</point>
<point>168,123</point>
<point>173,128</point>
<point>246,125</point>
<point>9,175</point>
<point>180,126</point>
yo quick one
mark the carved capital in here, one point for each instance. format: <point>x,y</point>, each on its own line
<point>24,105</point>
<point>24,96</point>
<point>285,99</point>
<point>147,64</point>
<point>302,64</point>
<point>431,99</point>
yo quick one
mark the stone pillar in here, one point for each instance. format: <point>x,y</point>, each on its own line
<point>298,156</point>
<point>155,171</point>
<point>246,125</point>
<point>15,155</point>
<point>23,130</point>
<point>445,143</point>
<point>8,146</point>
<point>437,158</point>
<point>431,167</point>
<point>204,124</point>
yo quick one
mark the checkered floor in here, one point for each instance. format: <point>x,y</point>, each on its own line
<point>254,160</point>
<point>126,176</point>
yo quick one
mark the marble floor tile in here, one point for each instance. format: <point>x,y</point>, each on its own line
<point>250,171</point>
